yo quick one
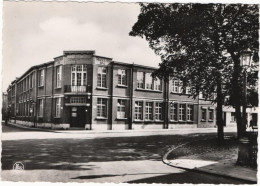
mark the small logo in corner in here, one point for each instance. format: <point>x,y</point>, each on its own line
<point>18,166</point>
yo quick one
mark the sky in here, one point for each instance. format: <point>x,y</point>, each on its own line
<point>36,32</point>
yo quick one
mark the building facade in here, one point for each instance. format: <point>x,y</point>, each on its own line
<point>80,89</point>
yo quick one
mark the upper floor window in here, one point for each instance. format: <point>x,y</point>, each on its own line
<point>148,81</point>
<point>102,77</point>
<point>188,90</point>
<point>78,75</point>
<point>121,104</point>
<point>158,111</point>
<point>58,76</point>
<point>41,80</point>
<point>175,86</point>
<point>157,84</point>
<point>203,114</point>
<point>121,77</point>
<point>140,79</point>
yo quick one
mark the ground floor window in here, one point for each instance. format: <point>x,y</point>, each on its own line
<point>148,110</point>
<point>102,107</point>
<point>158,111</point>
<point>40,113</point>
<point>121,104</point>
<point>190,112</point>
<point>57,107</point>
<point>211,115</point>
<point>173,112</point>
<point>203,114</point>
<point>181,112</point>
<point>233,116</point>
<point>138,110</point>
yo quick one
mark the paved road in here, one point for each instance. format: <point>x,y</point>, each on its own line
<point>135,159</point>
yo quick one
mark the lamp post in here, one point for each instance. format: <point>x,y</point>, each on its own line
<point>245,62</point>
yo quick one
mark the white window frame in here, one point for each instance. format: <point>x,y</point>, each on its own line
<point>101,77</point>
<point>157,84</point>
<point>175,86</point>
<point>148,81</point>
<point>57,107</point>
<point>74,75</point>
<point>40,113</point>
<point>138,110</point>
<point>140,79</point>
<point>182,112</point>
<point>121,77</point>
<point>158,111</point>
<point>121,106</point>
<point>58,76</point>
<point>102,107</point>
<point>42,74</point>
<point>173,112</point>
<point>149,111</point>
<point>190,109</point>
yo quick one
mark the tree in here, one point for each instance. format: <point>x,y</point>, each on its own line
<point>200,44</point>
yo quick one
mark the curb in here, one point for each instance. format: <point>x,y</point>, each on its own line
<point>167,162</point>
<point>31,128</point>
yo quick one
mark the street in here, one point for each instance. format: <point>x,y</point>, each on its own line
<point>61,157</point>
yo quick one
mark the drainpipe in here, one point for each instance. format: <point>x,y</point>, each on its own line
<point>111,104</point>
<point>131,97</point>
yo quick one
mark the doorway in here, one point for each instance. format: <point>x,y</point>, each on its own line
<point>78,117</point>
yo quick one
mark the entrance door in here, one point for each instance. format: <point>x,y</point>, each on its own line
<point>78,118</point>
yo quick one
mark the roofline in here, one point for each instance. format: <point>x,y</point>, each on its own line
<point>103,57</point>
<point>134,65</point>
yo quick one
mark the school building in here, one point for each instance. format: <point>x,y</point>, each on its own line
<point>82,90</point>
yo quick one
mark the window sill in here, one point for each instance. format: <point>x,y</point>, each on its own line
<point>101,88</point>
<point>57,88</point>
<point>101,118</point>
<point>138,121</point>
<point>148,90</point>
<point>41,86</point>
<point>121,118</point>
<point>210,120</point>
<point>180,93</point>
<point>203,120</point>
<point>158,121</point>
<point>122,86</point>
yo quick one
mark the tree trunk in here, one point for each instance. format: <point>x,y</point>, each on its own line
<point>220,123</point>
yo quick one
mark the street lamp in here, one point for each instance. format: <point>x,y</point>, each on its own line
<point>245,62</point>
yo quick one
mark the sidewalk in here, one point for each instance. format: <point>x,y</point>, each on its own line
<point>206,162</point>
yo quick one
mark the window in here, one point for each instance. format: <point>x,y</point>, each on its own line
<point>140,79</point>
<point>203,114</point>
<point>121,77</point>
<point>190,112</point>
<point>58,76</point>
<point>40,114</point>
<point>138,110</point>
<point>148,110</point>
<point>148,81</point>
<point>78,100</point>
<point>78,75</point>
<point>31,81</point>
<point>180,86</point>
<point>181,112</point>
<point>158,111</point>
<point>102,107</point>
<point>41,83</point>
<point>57,107</point>
<point>102,75</point>
<point>121,108</point>
<point>233,116</point>
<point>173,112</point>
<point>175,87</point>
<point>188,90</point>
<point>211,115</point>
<point>157,84</point>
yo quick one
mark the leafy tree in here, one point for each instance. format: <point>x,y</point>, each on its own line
<point>200,44</point>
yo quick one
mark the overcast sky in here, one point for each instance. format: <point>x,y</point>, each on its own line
<point>36,32</point>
